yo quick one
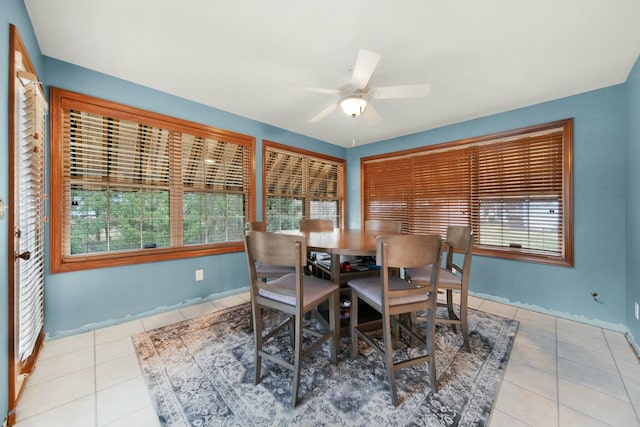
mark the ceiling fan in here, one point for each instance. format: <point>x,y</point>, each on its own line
<point>354,98</point>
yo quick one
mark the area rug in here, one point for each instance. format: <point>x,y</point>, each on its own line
<point>200,373</point>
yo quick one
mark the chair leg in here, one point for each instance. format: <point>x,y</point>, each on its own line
<point>257,333</point>
<point>353,321</point>
<point>334,324</point>
<point>431,349</point>
<point>463,321</point>
<point>388,355</point>
<point>452,314</point>
<point>297,363</point>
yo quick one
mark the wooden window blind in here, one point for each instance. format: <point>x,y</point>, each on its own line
<point>137,186</point>
<point>301,184</point>
<point>514,189</point>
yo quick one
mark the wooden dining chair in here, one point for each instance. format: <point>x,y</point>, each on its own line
<point>267,271</point>
<point>392,296</point>
<point>292,294</point>
<point>383,225</point>
<point>452,277</point>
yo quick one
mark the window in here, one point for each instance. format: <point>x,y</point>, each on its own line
<point>135,186</point>
<point>514,189</point>
<point>301,184</point>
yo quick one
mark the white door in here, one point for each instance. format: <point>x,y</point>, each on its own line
<point>27,218</point>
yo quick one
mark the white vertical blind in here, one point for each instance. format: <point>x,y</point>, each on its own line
<point>32,109</point>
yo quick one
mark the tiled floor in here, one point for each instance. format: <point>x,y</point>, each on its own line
<point>561,373</point>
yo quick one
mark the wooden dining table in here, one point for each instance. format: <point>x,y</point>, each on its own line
<point>340,242</point>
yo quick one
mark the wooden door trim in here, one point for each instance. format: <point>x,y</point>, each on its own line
<point>15,45</point>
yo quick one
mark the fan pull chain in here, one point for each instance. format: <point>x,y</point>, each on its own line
<point>353,139</point>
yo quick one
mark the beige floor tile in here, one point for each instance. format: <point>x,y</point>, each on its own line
<point>533,317</point>
<point>527,406</point>
<point>61,365</point>
<point>228,302</point>
<point>592,342</point>
<point>501,419</point>
<point>162,319</point>
<point>578,327</point>
<point>572,418</point>
<point>474,302</point>
<point>197,310</point>
<point>64,345</point>
<point>592,377</point>
<point>77,413</point>
<point>587,357</point>
<point>245,296</point>
<point>114,349</point>
<point>121,400</point>
<point>51,394</point>
<point>118,331</point>
<point>538,341</point>
<point>116,371</point>
<point>146,417</point>
<point>633,388</point>
<point>548,331</point>
<point>623,352</point>
<point>533,357</point>
<point>615,337</point>
<point>540,382</point>
<point>596,404</point>
<point>499,309</point>
<point>630,370</point>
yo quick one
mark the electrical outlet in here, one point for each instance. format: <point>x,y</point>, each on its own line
<point>637,311</point>
<point>199,275</point>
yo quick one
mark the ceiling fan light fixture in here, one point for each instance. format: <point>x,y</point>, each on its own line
<point>353,105</point>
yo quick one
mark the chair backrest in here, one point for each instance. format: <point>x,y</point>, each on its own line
<point>256,226</point>
<point>275,248</point>
<point>316,225</point>
<point>383,225</point>
<point>408,250</point>
<point>460,238</point>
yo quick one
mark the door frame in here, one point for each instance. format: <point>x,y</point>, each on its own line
<point>14,387</point>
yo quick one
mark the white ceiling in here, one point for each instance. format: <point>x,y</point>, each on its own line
<point>252,57</point>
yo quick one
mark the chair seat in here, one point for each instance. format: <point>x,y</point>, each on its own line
<point>266,269</point>
<point>370,288</point>
<point>315,289</point>
<point>447,279</point>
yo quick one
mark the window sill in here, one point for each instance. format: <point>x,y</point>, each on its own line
<point>525,256</point>
<point>81,262</point>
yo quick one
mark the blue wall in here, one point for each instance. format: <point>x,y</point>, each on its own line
<point>606,207</point>
<point>76,299</point>
<point>599,208</point>
<point>11,12</point>
<point>633,199</point>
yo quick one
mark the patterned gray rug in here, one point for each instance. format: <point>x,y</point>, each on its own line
<point>200,373</point>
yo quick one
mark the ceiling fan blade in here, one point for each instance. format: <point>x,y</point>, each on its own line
<point>366,63</point>
<point>324,113</point>
<point>371,115</point>
<point>404,91</point>
<point>320,90</point>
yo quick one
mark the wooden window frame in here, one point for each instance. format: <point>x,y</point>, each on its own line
<point>566,258</point>
<point>61,262</point>
<point>310,154</point>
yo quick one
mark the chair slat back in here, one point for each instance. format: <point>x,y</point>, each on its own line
<point>276,248</point>
<point>383,225</point>
<point>316,225</point>
<point>459,238</point>
<point>408,250</point>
